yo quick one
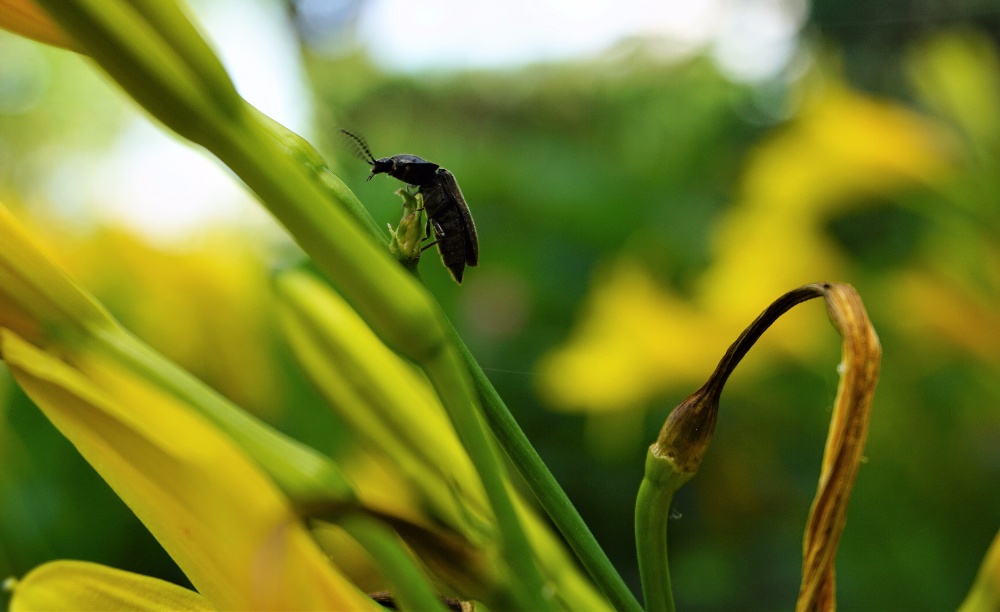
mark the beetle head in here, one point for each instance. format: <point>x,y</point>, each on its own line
<point>386,165</point>
<point>408,168</point>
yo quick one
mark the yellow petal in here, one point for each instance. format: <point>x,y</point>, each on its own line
<point>216,293</point>
<point>27,19</point>
<point>36,296</point>
<point>79,585</point>
<point>40,302</point>
<point>213,510</point>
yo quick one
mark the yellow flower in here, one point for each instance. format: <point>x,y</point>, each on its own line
<point>216,513</point>
<point>204,306</point>
<point>167,446</point>
<point>40,301</point>
<point>637,339</point>
<point>67,585</point>
<point>159,58</point>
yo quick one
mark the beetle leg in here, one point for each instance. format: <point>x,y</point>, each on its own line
<point>438,233</point>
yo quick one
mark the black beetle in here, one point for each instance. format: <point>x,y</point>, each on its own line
<point>447,212</point>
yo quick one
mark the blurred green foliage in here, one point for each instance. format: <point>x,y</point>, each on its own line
<point>567,169</point>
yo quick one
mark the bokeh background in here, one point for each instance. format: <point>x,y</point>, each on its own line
<point>644,181</point>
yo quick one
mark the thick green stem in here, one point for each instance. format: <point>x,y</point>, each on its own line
<point>398,310</point>
<point>161,60</point>
<point>412,589</point>
<point>546,489</point>
<point>652,511</point>
<point>401,312</point>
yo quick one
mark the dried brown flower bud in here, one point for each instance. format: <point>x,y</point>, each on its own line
<point>688,430</point>
<point>675,456</point>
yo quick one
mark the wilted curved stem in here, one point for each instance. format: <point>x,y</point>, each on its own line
<point>738,349</point>
<point>685,436</point>
<point>845,443</point>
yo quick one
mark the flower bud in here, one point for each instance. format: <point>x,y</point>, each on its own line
<point>688,430</point>
<point>406,242</point>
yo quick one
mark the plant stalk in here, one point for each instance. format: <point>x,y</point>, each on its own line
<point>546,489</point>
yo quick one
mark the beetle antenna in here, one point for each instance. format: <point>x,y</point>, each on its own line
<point>360,147</point>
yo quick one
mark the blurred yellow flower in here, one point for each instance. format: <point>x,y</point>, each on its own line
<point>631,332</point>
<point>204,305</point>
<point>214,506</point>
<point>636,338</point>
<point>216,513</point>
<point>952,295</point>
<point>933,306</point>
<point>40,301</point>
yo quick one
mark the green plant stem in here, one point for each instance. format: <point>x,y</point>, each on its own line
<point>652,511</point>
<point>157,56</point>
<point>408,320</point>
<point>396,307</point>
<point>411,587</point>
<point>447,375</point>
<point>546,489</point>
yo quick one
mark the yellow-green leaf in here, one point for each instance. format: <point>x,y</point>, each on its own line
<point>985,591</point>
<point>79,585</point>
<point>213,510</point>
